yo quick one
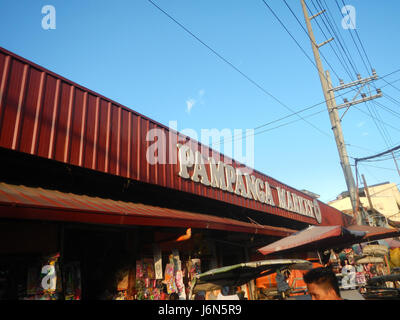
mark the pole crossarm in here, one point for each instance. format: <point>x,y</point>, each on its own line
<point>356,82</point>
<point>324,43</point>
<point>317,14</point>
<point>365,99</point>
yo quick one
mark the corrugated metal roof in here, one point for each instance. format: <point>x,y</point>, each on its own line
<point>17,201</point>
<point>46,115</point>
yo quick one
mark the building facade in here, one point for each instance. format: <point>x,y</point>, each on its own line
<point>385,199</point>
<point>97,189</point>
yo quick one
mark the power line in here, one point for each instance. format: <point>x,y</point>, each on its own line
<point>355,43</point>
<point>380,126</point>
<point>301,25</point>
<point>371,116</point>
<point>368,165</point>
<point>376,117</point>
<point>234,67</point>
<point>379,154</point>
<point>387,109</point>
<point>338,35</point>
<point>253,81</point>
<point>300,111</point>
<point>345,67</point>
<point>393,100</point>
<point>240,137</point>
<point>362,148</point>
<point>392,86</point>
<point>362,46</point>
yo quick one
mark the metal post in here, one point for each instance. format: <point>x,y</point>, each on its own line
<point>368,196</point>
<point>333,115</point>
<point>367,193</point>
<point>358,217</point>
<point>395,162</point>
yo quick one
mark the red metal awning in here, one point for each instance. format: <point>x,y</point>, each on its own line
<point>311,239</point>
<point>375,233</point>
<point>317,238</point>
<point>17,201</point>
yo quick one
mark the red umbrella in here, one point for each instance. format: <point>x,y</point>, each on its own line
<point>327,237</point>
<point>313,238</point>
<point>375,233</point>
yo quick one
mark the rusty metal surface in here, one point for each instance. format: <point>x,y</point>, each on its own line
<point>46,115</point>
<point>17,201</point>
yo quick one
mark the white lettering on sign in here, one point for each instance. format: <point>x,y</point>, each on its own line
<point>227,178</point>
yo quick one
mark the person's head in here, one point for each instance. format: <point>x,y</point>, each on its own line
<point>322,284</point>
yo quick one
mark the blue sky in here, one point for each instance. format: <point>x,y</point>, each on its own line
<point>132,53</point>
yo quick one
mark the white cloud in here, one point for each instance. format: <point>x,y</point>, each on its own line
<point>190,104</point>
<point>365,133</point>
<point>360,124</point>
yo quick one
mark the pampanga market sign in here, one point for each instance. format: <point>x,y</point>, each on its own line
<point>193,166</point>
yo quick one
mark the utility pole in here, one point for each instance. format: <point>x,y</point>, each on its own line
<point>395,162</point>
<point>329,95</point>
<point>367,194</point>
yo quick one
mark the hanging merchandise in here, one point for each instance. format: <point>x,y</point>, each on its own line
<point>188,269</point>
<point>147,286</point>
<point>192,269</point>
<point>157,262</point>
<point>155,290</point>
<point>139,269</point>
<point>177,260</point>
<point>196,266</point>
<point>123,280</point>
<point>156,294</point>
<point>140,285</point>
<point>148,268</point>
<point>180,285</point>
<point>169,279</point>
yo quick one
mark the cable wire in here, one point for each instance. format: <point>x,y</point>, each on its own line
<point>234,67</point>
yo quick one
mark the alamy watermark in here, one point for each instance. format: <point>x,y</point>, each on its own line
<point>49,20</point>
<point>349,17</point>
<point>237,144</point>
<point>49,280</point>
